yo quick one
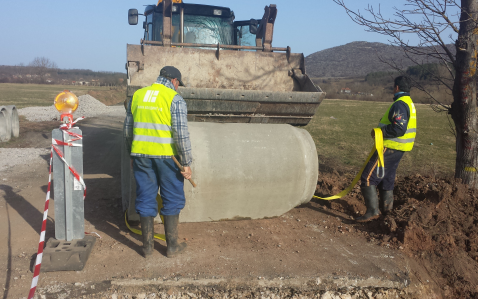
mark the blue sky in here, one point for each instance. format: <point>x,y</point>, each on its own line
<point>93,34</point>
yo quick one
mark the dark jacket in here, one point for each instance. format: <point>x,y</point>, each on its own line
<point>398,115</point>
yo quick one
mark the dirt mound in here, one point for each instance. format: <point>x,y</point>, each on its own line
<point>109,97</point>
<point>433,220</point>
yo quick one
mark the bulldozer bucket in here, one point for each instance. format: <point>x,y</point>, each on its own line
<point>231,86</point>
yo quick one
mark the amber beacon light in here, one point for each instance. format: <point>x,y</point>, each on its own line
<point>66,103</point>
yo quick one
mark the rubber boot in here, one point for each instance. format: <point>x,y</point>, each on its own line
<point>147,230</point>
<point>386,196</point>
<point>371,202</point>
<point>171,231</point>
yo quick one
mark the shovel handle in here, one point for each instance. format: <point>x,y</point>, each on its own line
<point>182,170</point>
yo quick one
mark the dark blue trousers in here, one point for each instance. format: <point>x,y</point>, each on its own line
<point>391,160</point>
<point>154,174</point>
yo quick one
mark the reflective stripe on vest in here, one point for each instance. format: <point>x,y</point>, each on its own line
<point>403,143</point>
<point>151,109</point>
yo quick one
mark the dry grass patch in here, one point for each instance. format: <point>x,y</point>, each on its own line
<point>28,95</point>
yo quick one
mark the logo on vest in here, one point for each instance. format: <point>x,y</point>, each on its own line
<point>150,108</point>
<point>150,96</point>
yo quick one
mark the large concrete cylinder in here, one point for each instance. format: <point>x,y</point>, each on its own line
<point>248,171</point>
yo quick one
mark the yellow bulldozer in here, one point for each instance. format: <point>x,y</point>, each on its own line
<point>238,85</point>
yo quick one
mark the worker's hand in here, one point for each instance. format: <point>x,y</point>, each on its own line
<point>131,163</point>
<point>187,172</point>
<point>372,133</point>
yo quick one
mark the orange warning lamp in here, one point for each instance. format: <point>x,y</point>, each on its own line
<point>66,103</point>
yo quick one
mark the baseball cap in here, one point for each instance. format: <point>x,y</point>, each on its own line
<point>172,73</point>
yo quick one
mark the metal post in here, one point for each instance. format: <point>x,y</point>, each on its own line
<point>70,249</point>
<point>167,22</point>
<point>68,192</point>
<point>181,26</point>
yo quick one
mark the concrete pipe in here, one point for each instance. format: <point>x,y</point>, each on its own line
<point>248,171</point>
<point>3,125</point>
<point>8,120</point>
<point>14,121</point>
<point>243,171</point>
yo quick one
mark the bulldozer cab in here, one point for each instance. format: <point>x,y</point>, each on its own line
<point>201,24</point>
<point>230,69</point>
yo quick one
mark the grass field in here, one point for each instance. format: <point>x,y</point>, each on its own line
<point>341,131</point>
<point>27,95</point>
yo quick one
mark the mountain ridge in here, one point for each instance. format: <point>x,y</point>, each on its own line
<point>359,58</point>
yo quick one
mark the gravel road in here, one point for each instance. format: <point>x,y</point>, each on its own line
<point>10,157</point>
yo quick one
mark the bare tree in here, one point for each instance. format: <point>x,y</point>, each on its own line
<point>43,67</point>
<point>437,23</point>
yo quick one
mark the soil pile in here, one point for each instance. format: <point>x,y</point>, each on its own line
<point>109,97</point>
<point>434,220</point>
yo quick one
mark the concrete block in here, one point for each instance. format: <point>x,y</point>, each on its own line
<point>60,255</point>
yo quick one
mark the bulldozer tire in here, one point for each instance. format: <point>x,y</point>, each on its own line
<point>4,133</point>
<point>14,121</point>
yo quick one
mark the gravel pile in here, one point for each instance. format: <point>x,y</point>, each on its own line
<point>212,292</point>
<point>10,157</point>
<point>88,107</point>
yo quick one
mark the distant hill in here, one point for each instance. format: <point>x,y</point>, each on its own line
<point>30,74</point>
<point>356,59</point>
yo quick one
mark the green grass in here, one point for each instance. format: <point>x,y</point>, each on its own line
<point>26,95</point>
<point>341,131</point>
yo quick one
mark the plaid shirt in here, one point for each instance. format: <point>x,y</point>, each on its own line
<point>179,127</point>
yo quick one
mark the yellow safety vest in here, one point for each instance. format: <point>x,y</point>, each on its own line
<point>151,109</point>
<point>405,142</point>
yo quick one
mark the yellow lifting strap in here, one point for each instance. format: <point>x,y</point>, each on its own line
<point>137,231</point>
<point>380,167</point>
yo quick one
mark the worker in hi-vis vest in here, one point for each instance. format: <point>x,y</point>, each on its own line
<point>399,128</point>
<point>156,128</point>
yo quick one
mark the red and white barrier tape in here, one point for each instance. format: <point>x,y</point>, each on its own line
<point>36,272</point>
<point>68,126</point>
<point>72,170</point>
<point>65,128</point>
